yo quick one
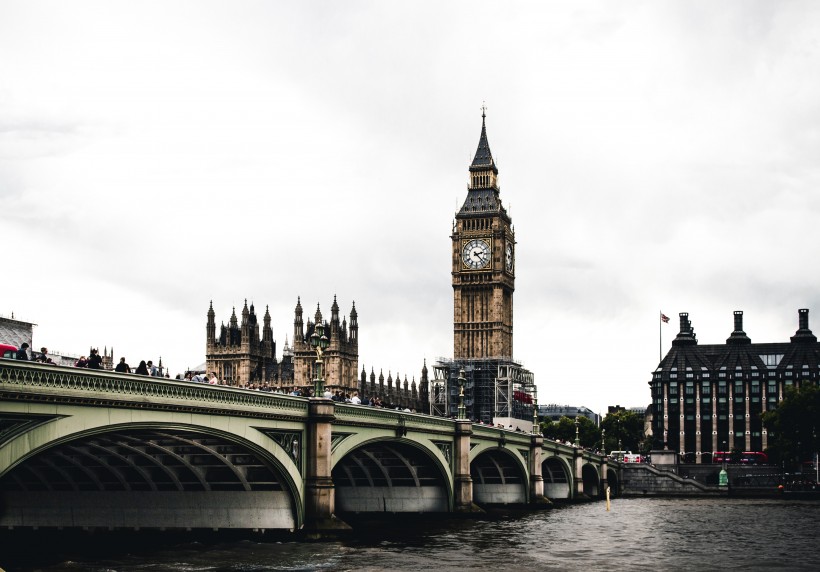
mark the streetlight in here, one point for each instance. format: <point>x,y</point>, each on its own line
<point>603,441</point>
<point>577,439</point>
<point>535,428</point>
<point>723,476</point>
<point>319,342</point>
<point>462,379</point>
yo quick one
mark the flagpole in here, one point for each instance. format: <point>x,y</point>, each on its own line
<point>660,336</point>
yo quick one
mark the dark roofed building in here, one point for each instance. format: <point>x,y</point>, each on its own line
<point>708,398</point>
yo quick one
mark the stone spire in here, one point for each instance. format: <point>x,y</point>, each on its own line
<point>483,159</point>
<point>298,325</point>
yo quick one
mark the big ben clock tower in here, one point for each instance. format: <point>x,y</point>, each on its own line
<point>483,265</point>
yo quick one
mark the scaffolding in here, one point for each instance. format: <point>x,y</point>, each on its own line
<point>496,391</point>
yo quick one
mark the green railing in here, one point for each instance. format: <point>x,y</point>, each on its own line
<point>30,381</point>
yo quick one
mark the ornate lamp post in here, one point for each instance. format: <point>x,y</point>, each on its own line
<point>319,342</point>
<point>535,429</point>
<point>577,439</point>
<point>462,410</point>
<point>723,476</point>
<point>603,442</point>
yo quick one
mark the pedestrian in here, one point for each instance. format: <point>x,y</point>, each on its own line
<point>152,369</point>
<point>142,369</point>
<point>43,357</point>
<point>123,367</point>
<point>82,362</point>
<point>94,360</point>
<point>22,354</point>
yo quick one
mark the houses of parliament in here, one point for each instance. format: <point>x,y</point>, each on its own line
<point>483,280</point>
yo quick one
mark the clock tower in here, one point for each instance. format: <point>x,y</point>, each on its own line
<point>483,265</point>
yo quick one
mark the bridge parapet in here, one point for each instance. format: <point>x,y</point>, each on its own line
<point>27,381</point>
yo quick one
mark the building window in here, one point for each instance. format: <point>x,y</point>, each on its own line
<point>673,388</point>
<point>705,388</point>
<point>771,360</point>
<point>722,388</point>
<point>690,388</point>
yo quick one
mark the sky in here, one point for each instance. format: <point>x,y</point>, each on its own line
<point>655,156</point>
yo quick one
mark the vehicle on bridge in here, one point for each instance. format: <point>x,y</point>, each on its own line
<point>744,458</point>
<point>8,351</point>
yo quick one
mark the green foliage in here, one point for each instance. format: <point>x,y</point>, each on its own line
<point>626,427</point>
<point>793,426</point>
<point>564,430</point>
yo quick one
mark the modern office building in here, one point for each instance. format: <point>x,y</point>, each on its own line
<point>708,398</point>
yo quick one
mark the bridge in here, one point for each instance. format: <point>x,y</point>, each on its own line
<point>95,449</point>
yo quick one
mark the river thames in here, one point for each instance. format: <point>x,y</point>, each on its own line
<point>636,534</point>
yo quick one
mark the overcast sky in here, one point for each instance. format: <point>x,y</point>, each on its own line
<point>654,156</point>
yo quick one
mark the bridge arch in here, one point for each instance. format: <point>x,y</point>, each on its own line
<point>557,475</point>
<point>499,477</point>
<point>591,480</point>
<point>389,475</point>
<point>96,474</point>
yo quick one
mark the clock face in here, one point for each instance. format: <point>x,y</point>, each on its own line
<point>476,254</point>
<point>508,257</point>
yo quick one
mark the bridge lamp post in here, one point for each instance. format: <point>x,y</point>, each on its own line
<point>577,439</point>
<point>535,429</point>
<point>462,410</point>
<point>319,342</point>
<point>603,442</point>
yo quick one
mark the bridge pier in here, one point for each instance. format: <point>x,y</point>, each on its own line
<point>536,477</point>
<point>578,477</point>
<point>462,481</point>
<point>320,497</point>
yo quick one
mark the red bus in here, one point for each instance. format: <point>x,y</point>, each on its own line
<point>8,351</point>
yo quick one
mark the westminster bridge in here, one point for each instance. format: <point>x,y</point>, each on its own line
<point>95,449</point>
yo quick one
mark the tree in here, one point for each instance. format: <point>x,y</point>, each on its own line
<point>564,430</point>
<point>625,427</point>
<point>793,426</point>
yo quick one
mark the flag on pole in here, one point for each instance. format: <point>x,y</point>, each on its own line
<point>664,318</point>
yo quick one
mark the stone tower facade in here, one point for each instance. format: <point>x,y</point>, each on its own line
<point>238,354</point>
<point>341,358</point>
<point>483,269</point>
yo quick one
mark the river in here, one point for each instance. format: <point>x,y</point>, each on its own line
<point>636,534</point>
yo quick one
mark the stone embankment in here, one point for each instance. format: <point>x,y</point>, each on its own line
<point>647,480</point>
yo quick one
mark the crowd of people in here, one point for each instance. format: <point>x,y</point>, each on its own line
<point>93,361</point>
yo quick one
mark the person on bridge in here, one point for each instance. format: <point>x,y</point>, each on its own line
<point>43,357</point>
<point>152,369</point>
<point>142,369</point>
<point>94,360</point>
<point>22,353</point>
<point>122,367</point>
